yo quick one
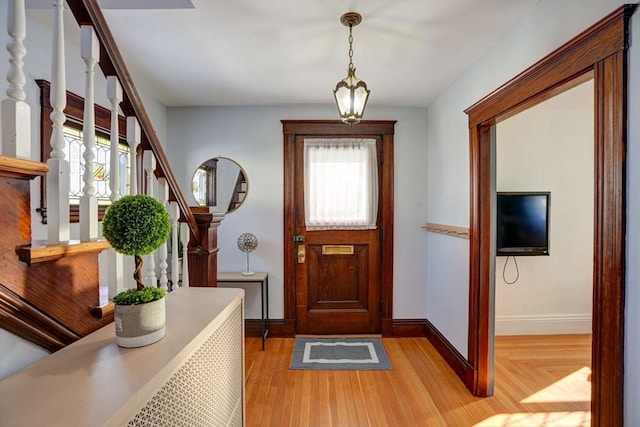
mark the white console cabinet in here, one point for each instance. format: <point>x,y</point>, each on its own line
<point>194,376</point>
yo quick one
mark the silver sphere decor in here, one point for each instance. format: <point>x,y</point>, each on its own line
<point>247,243</point>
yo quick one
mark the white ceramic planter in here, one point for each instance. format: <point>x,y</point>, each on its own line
<point>141,324</point>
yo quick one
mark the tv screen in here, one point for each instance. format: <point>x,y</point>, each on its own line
<point>522,223</point>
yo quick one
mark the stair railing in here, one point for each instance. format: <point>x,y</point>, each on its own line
<point>50,293</point>
<point>201,252</point>
<point>87,12</point>
<point>98,48</point>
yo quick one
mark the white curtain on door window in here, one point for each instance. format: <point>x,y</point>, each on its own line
<point>340,184</point>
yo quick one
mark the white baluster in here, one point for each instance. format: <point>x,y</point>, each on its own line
<point>149,164</point>
<point>133,139</point>
<point>163,197</point>
<point>58,176</point>
<point>16,114</point>
<point>90,52</point>
<point>114,94</point>
<point>184,238</point>
<point>174,214</point>
<point>115,272</point>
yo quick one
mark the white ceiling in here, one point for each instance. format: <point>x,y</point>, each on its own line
<point>281,52</point>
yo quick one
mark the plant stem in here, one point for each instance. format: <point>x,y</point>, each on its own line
<point>137,274</point>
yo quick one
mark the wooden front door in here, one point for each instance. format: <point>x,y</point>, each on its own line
<point>335,277</point>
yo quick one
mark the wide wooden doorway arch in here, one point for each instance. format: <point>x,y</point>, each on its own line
<point>602,51</point>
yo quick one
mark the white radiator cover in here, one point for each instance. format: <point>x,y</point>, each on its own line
<point>194,376</point>
<point>206,390</point>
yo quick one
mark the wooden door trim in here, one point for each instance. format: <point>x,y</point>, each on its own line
<point>601,50</point>
<point>335,128</point>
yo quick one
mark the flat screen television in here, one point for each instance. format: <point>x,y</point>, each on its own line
<point>522,223</point>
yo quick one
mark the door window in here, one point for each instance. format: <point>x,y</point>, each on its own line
<point>341,184</point>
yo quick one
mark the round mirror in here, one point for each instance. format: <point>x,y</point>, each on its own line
<point>220,182</point>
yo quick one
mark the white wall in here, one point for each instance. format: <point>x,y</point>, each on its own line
<point>252,136</point>
<point>16,353</point>
<point>545,28</point>
<point>550,148</point>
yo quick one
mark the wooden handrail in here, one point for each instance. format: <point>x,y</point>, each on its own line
<point>87,12</point>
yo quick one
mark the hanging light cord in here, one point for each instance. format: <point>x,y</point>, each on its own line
<point>504,269</point>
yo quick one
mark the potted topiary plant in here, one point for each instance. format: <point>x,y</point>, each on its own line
<point>137,225</point>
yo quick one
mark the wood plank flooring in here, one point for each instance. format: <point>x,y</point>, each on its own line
<point>540,381</point>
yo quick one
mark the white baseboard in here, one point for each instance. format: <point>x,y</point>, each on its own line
<point>543,324</point>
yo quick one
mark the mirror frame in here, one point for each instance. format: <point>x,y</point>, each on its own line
<point>240,189</point>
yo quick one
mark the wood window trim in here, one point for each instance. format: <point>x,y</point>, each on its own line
<point>74,112</point>
<point>601,50</point>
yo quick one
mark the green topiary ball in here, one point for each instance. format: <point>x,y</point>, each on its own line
<point>136,225</point>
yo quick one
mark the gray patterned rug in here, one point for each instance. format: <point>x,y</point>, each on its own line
<point>339,354</point>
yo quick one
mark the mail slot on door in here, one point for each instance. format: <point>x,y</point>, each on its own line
<point>337,249</point>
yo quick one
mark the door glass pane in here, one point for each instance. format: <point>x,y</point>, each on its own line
<point>341,184</point>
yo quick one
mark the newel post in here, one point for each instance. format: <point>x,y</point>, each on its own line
<point>203,256</point>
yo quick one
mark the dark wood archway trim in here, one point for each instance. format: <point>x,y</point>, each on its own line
<point>602,50</point>
<point>335,128</point>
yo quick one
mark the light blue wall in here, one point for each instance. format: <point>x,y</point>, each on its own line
<point>252,136</point>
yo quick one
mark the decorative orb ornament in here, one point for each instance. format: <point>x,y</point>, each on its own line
<point>247,243</point>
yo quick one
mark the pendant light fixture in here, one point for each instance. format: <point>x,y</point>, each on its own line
<point>351,93</point>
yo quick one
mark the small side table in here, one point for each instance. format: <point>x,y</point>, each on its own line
<point>263,279</point>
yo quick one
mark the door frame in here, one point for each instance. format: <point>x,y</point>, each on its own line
<point>384,129</point>
<point>601,50</point>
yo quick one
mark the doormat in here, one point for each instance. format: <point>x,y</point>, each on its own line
<point>339,354</point>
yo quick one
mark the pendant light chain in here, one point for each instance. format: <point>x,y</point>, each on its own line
<point>350,47</point>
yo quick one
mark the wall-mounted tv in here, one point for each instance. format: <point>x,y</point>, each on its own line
<point>522,223</point>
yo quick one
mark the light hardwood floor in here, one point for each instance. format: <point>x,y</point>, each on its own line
<point>540,381</point>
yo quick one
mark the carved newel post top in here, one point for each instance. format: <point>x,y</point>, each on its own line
<point>206,215</point>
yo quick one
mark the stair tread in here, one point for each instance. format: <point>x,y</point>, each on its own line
<point>39,251</point>
<point>21,168</point>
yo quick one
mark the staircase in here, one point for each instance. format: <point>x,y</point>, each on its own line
<point>239,192</point>
<point>50,291</point>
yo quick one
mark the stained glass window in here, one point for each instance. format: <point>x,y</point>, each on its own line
<point>74,149</point>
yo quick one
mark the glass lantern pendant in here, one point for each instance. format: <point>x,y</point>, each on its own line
<point>351,93</point>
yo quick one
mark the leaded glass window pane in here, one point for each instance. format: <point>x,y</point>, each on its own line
<point>74,150</point>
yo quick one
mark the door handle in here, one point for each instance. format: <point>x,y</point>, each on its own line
<point>302,254</point>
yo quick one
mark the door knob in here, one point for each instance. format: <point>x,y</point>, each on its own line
<point>302,254</point>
